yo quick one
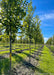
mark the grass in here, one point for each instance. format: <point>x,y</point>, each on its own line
<point>47,61</point>
<point>52,48</point>
<point>15,47</point>
<point>24,54</point>
<point>16,58</point>
<point>4,66</point>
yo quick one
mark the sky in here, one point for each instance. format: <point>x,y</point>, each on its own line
<point>45,10</point>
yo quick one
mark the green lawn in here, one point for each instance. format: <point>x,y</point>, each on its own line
<point>15,47</point>
<point>47,61</point>
<point>16,58</point>
<point>52,48</point>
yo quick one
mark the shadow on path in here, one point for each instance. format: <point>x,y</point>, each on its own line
<point>20,60</point>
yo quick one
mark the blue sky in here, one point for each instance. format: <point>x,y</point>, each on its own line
<point>45,10</point>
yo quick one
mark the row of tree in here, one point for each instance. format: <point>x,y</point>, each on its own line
<point>50,40</point>
<point>16,17</point>
<point>20,19</point>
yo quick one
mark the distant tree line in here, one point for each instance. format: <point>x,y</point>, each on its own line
<point>50,40</point>
<point>26,40</point>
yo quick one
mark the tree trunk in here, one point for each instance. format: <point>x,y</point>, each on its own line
<point>29,51</point>
<point>35,49</point>
<point>10,38</point>
<point>10,55</point>
<point>10,50</point>
<point>35,44</point>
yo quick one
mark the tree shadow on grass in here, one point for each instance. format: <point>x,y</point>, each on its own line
<point>29,55</point>
<point>34,56</point>
<point>41,48</point>
<point>6,46</point>
<point>20,60</point>
<point>4,65</point>
<point>20,51</point>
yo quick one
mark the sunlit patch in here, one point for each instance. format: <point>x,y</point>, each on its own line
<point>0,9</point>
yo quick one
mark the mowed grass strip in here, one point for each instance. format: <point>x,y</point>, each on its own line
<point>4,50</point>
<point>25,53</point>
<point>16,59</point>
<point>47,61</point>
<point>52,48</point>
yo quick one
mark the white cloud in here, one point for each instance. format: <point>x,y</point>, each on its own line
<point>45,39</point>
<point>47,16</point>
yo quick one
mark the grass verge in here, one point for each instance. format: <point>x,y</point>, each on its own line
<point>47,61</point>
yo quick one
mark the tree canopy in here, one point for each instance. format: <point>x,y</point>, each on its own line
<point>12,12</point>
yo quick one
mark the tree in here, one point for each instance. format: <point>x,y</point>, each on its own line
<point>38,38</point>
<point>41,39</point>
<point>12,12</point>
<point>12,16</point>
<point>0,32</point>
<point>27,23</point>
<point>50,41</point>
<point>53,39</point>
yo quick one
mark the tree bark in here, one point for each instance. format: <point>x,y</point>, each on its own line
<point>30,51</point>
<point>10,38</point>
<point>10,53</point>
